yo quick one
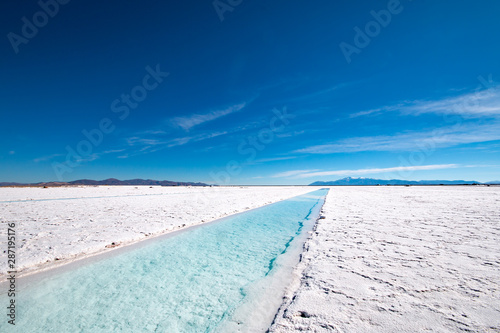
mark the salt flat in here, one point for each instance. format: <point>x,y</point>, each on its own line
<point>384,259</point>
<point>65,223</point>
<point>400,259</point>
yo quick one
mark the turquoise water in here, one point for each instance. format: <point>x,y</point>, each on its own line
<point>190,282</point>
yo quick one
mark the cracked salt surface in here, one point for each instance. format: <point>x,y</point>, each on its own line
<point>400,259</point>
<point>71,222</point>
<point>194,281</point>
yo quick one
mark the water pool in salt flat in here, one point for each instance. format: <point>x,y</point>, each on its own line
<point>193,281</point>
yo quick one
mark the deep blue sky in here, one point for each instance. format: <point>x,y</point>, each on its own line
<point>419,100</point>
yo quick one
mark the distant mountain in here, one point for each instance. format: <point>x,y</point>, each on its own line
<point>10,184</point>
<point>371,181</point>
<point>109,181</point>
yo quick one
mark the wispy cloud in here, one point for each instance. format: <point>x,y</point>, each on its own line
<point>293,173</point>
<point>46,158</point>
<point>112,151</point>
<point>273,159</point>
<point>387,108</point>
<point>315,173</point>
<point>135,140</point>
<point>290,134</point>
<point>326,92</point>
<point>479,103</point>
<point>187,139</point>
<point>149,141</point>
<point>439,138</point>
<point>150,145</point>
<point>196,119</point>
<point>153,132</point>
<point>89,158</point>
<point>475,104</point>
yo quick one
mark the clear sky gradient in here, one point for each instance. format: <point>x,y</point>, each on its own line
<point>250,92</point>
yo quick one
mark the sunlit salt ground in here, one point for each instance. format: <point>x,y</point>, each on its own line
<point>64,223</point>
<point>391,259</point>
<point>193,281</point>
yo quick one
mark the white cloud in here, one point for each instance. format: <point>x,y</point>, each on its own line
<point>315,173</point>
<point>290,134</point>
<point>377,110</point>
<point>196,119</point>
<point>476,104</point>
<point>265,160</point>
<point>187,139</point>
<point>480,103</point>
<point>89,158</point>
<point>137,141</point>
<point>292,173</point>
<point>148,145</point>
<point>411,141</point>
<point>46,158</point>
<point>112,151</point>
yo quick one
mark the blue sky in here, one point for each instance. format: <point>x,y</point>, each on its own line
<point>250,92</point>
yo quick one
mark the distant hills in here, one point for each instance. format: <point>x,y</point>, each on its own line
<point>371,181</point>
<point>109,181</point>
<point>344,182</point>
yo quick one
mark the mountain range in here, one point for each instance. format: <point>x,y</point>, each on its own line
<point>371,181</point>
<point>109,181</point>
<point>344,181</point>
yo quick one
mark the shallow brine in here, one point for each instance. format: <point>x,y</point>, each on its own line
<point>194,281</point>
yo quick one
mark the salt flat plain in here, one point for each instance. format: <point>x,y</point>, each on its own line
<point>64,223</point>
<point>384,259</point>
<point>400,259</point>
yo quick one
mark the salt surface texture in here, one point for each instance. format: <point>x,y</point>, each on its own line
<point>190,282</point>
<point>63,223</point>
<point>400,259</point>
